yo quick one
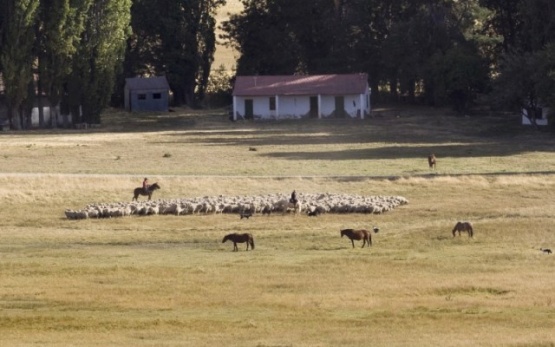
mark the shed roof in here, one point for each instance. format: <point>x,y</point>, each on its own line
<point>337,84</point>
<point>147,83</point>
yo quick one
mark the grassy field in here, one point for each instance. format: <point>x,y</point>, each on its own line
<point>169,281</point>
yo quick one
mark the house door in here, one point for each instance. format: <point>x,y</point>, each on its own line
<point>249,109</point>
<point>340,107</point>
<point>313,113</point>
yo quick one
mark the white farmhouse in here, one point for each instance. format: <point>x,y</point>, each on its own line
<point>313,96</point>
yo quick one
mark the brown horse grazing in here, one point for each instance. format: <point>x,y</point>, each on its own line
<point>463,227</point>
<point>432,161</point>
<point>239,238</point>
<point>361,234</point>
<point>140,191</point>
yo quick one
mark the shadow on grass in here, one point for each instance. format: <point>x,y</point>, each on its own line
<point>413,137</point>
<point>406,152</point>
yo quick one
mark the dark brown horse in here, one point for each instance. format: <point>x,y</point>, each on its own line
<point>463,227</point>
<point>361,234</point>
<point>140,191</point>
<point>432,161</point>
<point>239,238</point>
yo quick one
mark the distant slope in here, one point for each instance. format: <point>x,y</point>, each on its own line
<point>224,55</point>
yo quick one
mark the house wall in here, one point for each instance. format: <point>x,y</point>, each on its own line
<point>58,119</point>
<point>61,120</point>
<point>351,105</point>
<point>293,106</point>
<point>46,110</point>
<point>299,106</point>
<point>539,121</point>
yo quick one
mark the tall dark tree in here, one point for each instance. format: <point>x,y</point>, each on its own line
<point>288,36</point>
<point>16,56</point>
<point>261,35</point>
<point>141,56</point>
<point>177,39</point>
<point>3,22</point>
<point>59,28</point>
<point>393,41</point>
<point>458,75</point>
<point>425,30</point>
<point>99,58</point>
<point>525,73</point>
<point>505,20</point>
<point>317,28</point>
<point>538,25</point>
<point>518,85</point>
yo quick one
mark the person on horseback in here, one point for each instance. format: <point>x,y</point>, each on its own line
<point>293,199</point>
<point>145,185</point>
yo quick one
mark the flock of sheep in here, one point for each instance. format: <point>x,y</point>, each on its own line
<point>311,204</point>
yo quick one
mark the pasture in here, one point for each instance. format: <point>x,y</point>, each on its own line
<point>169,280</point>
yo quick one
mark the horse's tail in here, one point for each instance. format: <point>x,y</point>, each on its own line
<point>470,230</point>
<point>369,239</point>
<point>251,240</point>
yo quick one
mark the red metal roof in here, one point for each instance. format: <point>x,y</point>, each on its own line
<point>347,84</point>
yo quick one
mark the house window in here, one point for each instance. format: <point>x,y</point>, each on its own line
<point>141,96</point>
<point>157,96</point>
<point>272,103</point>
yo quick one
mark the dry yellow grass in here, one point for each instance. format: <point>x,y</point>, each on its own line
<point>224,55</point>
<point>169,281</point>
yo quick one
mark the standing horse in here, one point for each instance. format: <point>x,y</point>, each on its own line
<point>432,161</point>
<point>361,234</point>
<point>239,238</point>
<point>140,191</point>
<point>463,227</point>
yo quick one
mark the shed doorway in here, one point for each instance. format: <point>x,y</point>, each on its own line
<point>340,107</point>
<point>249,109</point>
<point>313,113</point>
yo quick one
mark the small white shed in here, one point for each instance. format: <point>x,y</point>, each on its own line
<point>540,116</point>
<point>311,96</point>
<point>146,94</point>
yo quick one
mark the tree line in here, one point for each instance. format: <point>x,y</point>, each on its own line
<point>77,53</point>
<point>437,52</point>
<point>67,50</point>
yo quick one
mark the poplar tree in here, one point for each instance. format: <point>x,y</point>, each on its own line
<point>98,59</point>
<point>59,28</point>
<point>175,38</point>
<point>16,56</point>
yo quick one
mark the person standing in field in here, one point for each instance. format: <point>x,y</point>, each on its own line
<point>293,199</point>
<point>145,185</point>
